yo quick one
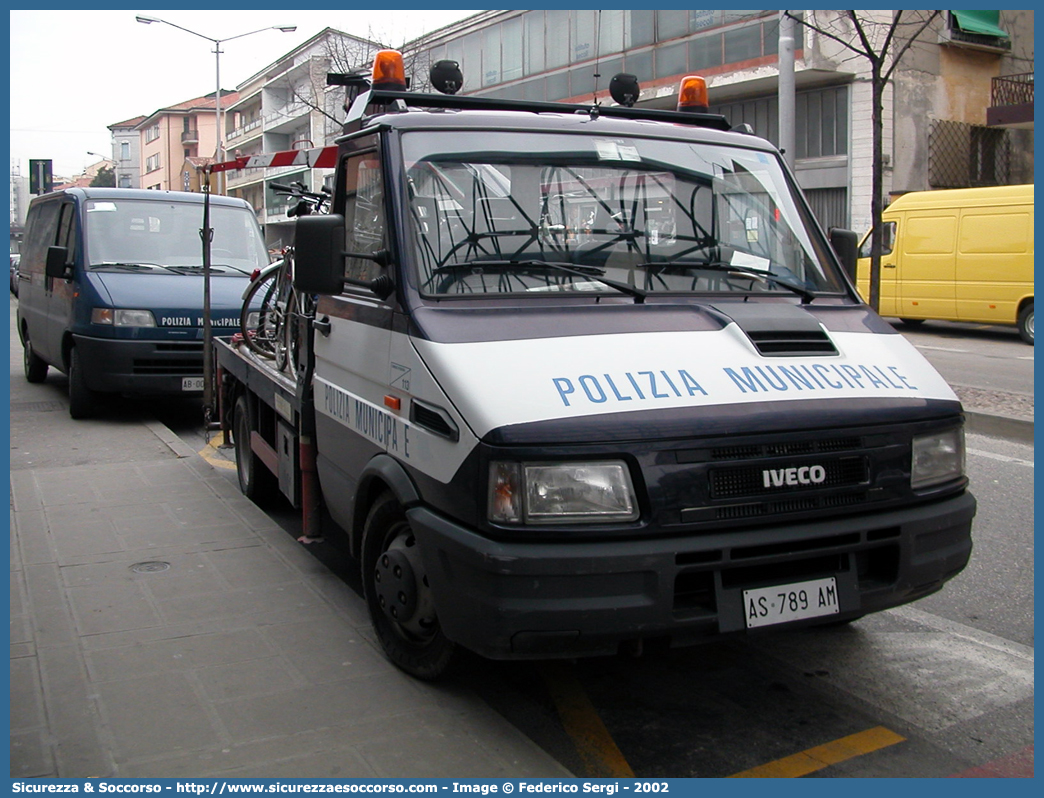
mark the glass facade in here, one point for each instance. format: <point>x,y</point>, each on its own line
<point>553,41</point>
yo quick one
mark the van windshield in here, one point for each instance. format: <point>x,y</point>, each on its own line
<point>496,213</point>
<point>163,237</point>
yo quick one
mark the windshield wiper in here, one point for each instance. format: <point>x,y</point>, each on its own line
<point>591,272</point>
<point>197,269</point>
<point>128,266</point>
<point>747,271</point>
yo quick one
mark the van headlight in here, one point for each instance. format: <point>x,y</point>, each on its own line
<point>560,493</point>
<point>253,320</point>
<point>937,457</point>
<point>121,317</point>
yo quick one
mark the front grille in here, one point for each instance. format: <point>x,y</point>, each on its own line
<point>172,367</point>
<point>758,479</point>
<point>751,451</point>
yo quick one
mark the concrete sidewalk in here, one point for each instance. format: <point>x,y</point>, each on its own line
<point>163,626</point>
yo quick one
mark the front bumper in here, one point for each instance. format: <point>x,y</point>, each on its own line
<point>140,366</point>
<point>532,600</point>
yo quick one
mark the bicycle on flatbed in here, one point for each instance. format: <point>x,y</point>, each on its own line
<point>272,311</point>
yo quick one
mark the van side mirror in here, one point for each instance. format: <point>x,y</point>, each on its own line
<point>846,247</point>
<point>319,254</point>
<point>57,263</point>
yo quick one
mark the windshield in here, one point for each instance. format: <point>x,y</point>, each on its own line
<point>163,236</point>
<point>496,213</point>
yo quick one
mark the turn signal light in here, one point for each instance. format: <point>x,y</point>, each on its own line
<point>692,95</point>
<point>388,71</point>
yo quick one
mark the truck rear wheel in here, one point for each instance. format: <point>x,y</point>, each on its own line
<point>1026,324</point>
<point>255,480</point>
<point>398,595</point>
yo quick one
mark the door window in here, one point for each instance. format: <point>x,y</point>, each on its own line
<point>363,214</point>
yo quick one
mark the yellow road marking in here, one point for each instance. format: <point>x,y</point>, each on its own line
<point>593,742</point>
<point>823,756</point>
<point>211,456</point>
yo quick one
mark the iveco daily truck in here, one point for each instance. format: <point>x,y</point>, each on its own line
<point>583,377</point>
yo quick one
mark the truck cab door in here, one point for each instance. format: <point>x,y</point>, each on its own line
<point>352,345</point>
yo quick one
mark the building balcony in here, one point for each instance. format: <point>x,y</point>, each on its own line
<point>1011,102</point>
<point>245,132</point>
<point>190,137</point>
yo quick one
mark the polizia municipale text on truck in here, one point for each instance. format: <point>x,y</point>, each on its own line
<point>584,377</point>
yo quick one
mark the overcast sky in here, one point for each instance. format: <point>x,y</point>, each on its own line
<point>74,72</point>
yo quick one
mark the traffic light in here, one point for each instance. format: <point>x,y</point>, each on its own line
<point>41,180</point>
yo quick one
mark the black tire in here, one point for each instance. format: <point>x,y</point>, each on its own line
<point>913,322</point>
<point>398,596</point>
<point>255,480</point>
<point>35,367</point>
<point>262,300</point>
<point>1025,324</point>
<point>83,401</point>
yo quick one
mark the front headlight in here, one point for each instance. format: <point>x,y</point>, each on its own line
<point>563,493</point>
<point>253,319</point>
<point>937,457</point>
<point>123,318</point>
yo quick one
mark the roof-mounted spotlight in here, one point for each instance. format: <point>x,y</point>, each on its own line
<point>624,89</point>
<point>446,77</point>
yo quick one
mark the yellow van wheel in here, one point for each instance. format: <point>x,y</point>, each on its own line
<point>1025,324</point>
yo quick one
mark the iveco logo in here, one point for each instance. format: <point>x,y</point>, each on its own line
<point>805,475</point>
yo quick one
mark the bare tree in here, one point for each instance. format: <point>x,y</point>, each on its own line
<point>347,54</point>
<point>882,44</point>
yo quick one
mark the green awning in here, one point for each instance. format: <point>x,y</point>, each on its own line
<point>981,23</point>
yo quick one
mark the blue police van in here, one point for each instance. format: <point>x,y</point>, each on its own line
<point>112,288</point>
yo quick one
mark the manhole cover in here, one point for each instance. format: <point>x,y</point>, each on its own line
<point>150,567</point>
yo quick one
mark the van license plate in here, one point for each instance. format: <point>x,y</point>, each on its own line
<point>192,383</point>
<point>768,605</point>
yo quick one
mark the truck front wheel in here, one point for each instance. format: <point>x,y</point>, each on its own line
<point>83,401</point>
<point>398,595</point>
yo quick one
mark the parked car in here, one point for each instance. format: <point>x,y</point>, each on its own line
<point>15,257</point>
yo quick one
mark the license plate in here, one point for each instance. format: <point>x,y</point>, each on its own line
<point>768,605</point>
<point>192,383</point>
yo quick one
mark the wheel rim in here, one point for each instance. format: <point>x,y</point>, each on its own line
<point>401,588</point>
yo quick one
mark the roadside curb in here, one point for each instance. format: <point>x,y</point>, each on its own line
<point>1016,429</point>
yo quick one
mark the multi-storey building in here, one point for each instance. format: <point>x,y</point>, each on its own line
<point>937,103</point>
<point>126,152</point>
<point>286,106</point>
<point>171,136</point>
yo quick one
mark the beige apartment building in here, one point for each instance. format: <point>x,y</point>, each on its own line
<point>169,137</point>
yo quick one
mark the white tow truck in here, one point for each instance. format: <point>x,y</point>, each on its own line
<point>585,377</point>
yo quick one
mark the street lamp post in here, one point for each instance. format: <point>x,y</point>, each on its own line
<point>218,150</point>
<point>107,159</point>
<point>207,232</point>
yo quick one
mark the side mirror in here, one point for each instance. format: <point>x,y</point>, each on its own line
<point>846,247</point>
<point>319,254</point>
<point>56,264</point>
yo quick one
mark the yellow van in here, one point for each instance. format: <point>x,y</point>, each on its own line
<point>957,255</point>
